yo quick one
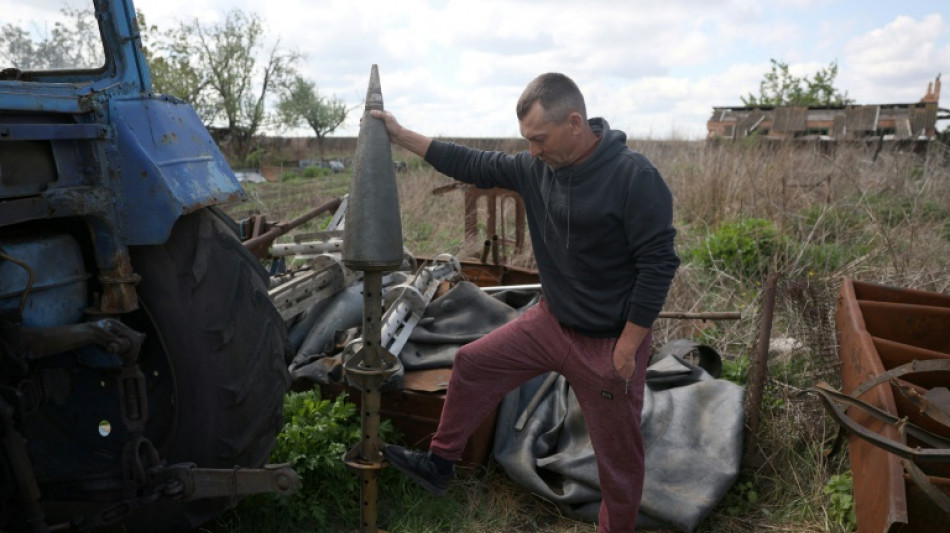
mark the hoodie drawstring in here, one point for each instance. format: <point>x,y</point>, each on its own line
<point>570,178</point>
<point>547,208</point>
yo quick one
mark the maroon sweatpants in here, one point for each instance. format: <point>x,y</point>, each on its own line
<point>535,343</point>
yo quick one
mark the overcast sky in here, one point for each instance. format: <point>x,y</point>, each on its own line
<point>652,68</point>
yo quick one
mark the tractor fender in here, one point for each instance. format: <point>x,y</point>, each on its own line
<point>169,166</point>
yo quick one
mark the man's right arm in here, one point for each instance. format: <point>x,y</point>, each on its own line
<point>402,136</point>
<point>479,167</point>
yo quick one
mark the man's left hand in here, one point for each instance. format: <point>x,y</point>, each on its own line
<point>625,352</point>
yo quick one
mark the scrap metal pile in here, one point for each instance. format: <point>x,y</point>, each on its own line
<point>432,307</point>
<point>895,404</point>
<point>320,300</point>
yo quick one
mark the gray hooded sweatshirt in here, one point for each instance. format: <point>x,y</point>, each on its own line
<point>602,230</point>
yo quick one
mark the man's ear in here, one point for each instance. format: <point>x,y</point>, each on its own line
<point>577,122</point>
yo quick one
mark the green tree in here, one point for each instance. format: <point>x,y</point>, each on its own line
<point>226,71</point>
<point>228,54</point>
<point>781,88</point>
<point>301,103</point>
<point>174,69</point>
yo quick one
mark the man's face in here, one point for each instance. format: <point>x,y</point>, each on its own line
<point>555,143</point>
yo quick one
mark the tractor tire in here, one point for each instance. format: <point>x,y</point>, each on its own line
<point>225,344</point>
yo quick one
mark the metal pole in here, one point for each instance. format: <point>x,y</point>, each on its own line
<point>372,312</point>
<point>758,372</point>
<point>368,368</point>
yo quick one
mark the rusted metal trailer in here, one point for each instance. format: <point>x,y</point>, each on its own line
<point>895,368</point>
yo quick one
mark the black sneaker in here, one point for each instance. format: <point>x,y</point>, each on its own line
<point>419,467</point>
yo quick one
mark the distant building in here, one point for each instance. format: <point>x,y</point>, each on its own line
<point>915,121</point>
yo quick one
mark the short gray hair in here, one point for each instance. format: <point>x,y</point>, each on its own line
<point>558,94</point>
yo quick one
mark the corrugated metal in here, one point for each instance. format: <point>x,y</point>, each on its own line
<point>840,126</point>
<point>790,119</point>
<point>862,118</point>
<point>924,119</point>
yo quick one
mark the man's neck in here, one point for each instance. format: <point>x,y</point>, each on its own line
<point>592,142</point>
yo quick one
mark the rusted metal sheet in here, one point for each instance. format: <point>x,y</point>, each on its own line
<point>790,119</point>
<point>879,329</point>
<point>862,118</point>
<point>924,118</point>
<point>889,121</point>
<point>839,126</point>
<point>486,275</point>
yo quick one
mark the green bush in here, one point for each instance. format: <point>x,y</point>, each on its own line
<point>289,175</point>
<point>316,434</point>
<point>314,171</point>
<point>743,249</point>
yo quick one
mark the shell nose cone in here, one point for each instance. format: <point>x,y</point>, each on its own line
<point>374,93</point>
<point>372,238</point>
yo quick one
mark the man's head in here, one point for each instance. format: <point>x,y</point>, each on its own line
<point>553,118</point>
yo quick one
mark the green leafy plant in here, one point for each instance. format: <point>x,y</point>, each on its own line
<point>316,434</point>
<point>314,171</point>
<point>743,249</point>
<point>736,370</point>
<point>839,489</point>
<point>741,498</point>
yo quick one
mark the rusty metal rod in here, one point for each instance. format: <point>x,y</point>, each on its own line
<point>308,248</point>
<point>710,315</point>
<point>485,249</point>
<point>258,245</point>
<point>758,372</point>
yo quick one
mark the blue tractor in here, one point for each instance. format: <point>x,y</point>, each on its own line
<point>142,364</point>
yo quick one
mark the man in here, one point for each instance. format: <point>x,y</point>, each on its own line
<point>601,224</point>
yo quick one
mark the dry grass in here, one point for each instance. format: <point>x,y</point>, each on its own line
<point>876,217</point>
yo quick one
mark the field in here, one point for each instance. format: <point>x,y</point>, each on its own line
<point>808,212</point>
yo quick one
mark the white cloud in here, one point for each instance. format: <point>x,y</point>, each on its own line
<point>456,67</point>
<point>893,63</point>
